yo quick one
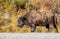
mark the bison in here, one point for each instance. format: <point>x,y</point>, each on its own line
<point>35,18</point>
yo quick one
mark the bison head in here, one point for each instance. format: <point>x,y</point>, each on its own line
<point>20,21</point>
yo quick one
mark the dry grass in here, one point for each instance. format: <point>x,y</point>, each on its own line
<point>12,26</point>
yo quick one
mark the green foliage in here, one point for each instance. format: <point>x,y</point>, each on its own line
<point>8,2</point>
<point>20,3</point>
<point>28,6</point>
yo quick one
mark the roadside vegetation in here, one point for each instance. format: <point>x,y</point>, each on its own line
<point>10,10</point>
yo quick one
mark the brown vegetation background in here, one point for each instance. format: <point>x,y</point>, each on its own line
<point>10,10</point>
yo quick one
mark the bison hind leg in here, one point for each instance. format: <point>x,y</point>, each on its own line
<point>54,24</point>
<point>56,28</point>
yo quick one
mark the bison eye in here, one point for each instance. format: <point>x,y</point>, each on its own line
<point>24,18</point>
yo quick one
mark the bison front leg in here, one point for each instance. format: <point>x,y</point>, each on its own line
<point>33,28</point>
<point>47,26</point>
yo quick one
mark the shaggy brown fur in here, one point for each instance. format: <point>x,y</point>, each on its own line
<point>35,18</point>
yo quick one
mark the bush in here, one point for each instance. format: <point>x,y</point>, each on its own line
<point>20,3</point>
<point>28,6</point>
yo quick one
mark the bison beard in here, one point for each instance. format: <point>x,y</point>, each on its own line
<point>37,19</point>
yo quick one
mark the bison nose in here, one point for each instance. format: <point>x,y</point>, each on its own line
<point>19,25</point>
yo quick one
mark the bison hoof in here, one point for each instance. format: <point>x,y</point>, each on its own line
<point>32,30</point>
<point>57,31</point>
